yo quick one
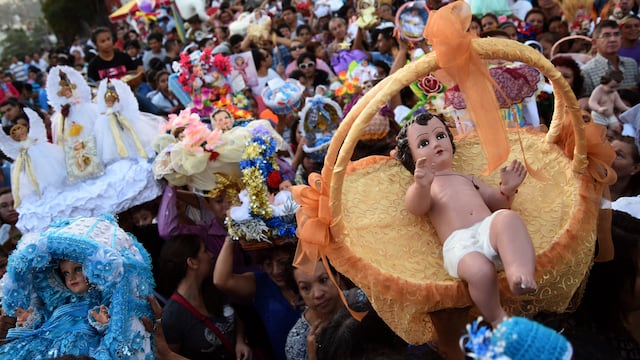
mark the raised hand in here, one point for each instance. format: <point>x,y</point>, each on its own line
<point>22,315</point>
<point>102,316</point>
<point>511,177</point>
<point>423,174</point>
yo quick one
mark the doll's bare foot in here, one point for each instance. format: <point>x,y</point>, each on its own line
<point>522,284</point>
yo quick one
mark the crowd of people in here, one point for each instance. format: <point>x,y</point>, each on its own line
<point>221,300</point>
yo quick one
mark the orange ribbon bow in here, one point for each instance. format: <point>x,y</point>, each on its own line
<point>314,219</point>
<point>314,233</point>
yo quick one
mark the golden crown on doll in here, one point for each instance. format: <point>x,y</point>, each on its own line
<point>65,83</point>
<point>111,94</point>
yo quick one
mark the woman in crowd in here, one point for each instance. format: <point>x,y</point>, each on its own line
<point>307,64</point>
<point>296,49</point>
<point>273,292</point>
<point>197,322</point>
<point>164,99</point>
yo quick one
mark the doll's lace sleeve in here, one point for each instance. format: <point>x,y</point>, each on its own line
<point>96,324</point>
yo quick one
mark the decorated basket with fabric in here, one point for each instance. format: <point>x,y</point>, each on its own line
<point>354,212</point>
<point>283,97</point>
<point>118,270</point>
<point>319,120</point>
<point>264,218</point>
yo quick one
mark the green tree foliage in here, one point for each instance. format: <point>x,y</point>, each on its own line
<point>18,43</point>
<point>68,18</point>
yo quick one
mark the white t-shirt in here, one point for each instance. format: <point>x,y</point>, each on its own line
<point>263,80</point>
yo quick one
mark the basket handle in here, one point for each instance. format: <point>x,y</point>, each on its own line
<point>555,48</point>
<point>347,135</point>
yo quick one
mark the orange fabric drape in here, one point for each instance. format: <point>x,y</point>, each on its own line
<point>447,32</point>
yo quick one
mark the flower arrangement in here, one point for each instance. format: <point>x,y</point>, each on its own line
<point>347,88</point>
<point>261,218</point>
<point>581,25</point>
<point>430,93</point>
<point>204,77</point>
<point>258,163</point>
<point>185,155</point>
<point>234,106</point>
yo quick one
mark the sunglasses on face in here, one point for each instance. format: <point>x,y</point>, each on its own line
<point>307,65</point>
<point>296,47</point>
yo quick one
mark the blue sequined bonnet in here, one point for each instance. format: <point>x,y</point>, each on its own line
<point>115,264</point>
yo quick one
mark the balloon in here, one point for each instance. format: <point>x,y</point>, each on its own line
<point>146,5</point>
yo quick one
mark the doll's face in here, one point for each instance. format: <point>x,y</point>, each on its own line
<point>611,86</point>
<point>73,277</point>
<point>432,142</point>
<point>109,101</point>
<point>19,132</point>
<point>65,91</point>
<point>223,120</point>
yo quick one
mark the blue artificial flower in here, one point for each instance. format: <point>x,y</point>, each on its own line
<point>260,131</point>
<point>103,267</point>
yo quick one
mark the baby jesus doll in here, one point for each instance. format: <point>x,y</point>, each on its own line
<point>605,100</point>
<point>73,328</point>
<point>479,233</point>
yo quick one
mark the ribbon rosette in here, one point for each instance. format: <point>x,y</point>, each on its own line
<point>314,219</point>
<point>314,234</point>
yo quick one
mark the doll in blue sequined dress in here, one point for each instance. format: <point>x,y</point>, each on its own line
<point>74,328</point>
<point>78,288</point>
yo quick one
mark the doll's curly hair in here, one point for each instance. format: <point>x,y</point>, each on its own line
<point>403,152</point>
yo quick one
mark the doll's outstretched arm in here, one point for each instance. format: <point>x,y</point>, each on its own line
<point>22,316</point>
<point>511,177</point>
<point>418,196</point>
<point>593,100</point>
<point>99,318</point>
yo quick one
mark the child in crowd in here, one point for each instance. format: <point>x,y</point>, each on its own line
<point>476,240</point>
<point>605,100</point>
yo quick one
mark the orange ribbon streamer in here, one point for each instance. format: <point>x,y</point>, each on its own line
<point>313,218</point>
<point>446,30</point>
<point>313,231</point>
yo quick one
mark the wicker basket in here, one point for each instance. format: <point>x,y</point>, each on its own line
<point>395,257</point>
<point>250,245</point>
<point>580,58</point>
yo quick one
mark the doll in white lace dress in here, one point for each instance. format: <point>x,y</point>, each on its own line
<point>38,165</point>
<point>120,131</point>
